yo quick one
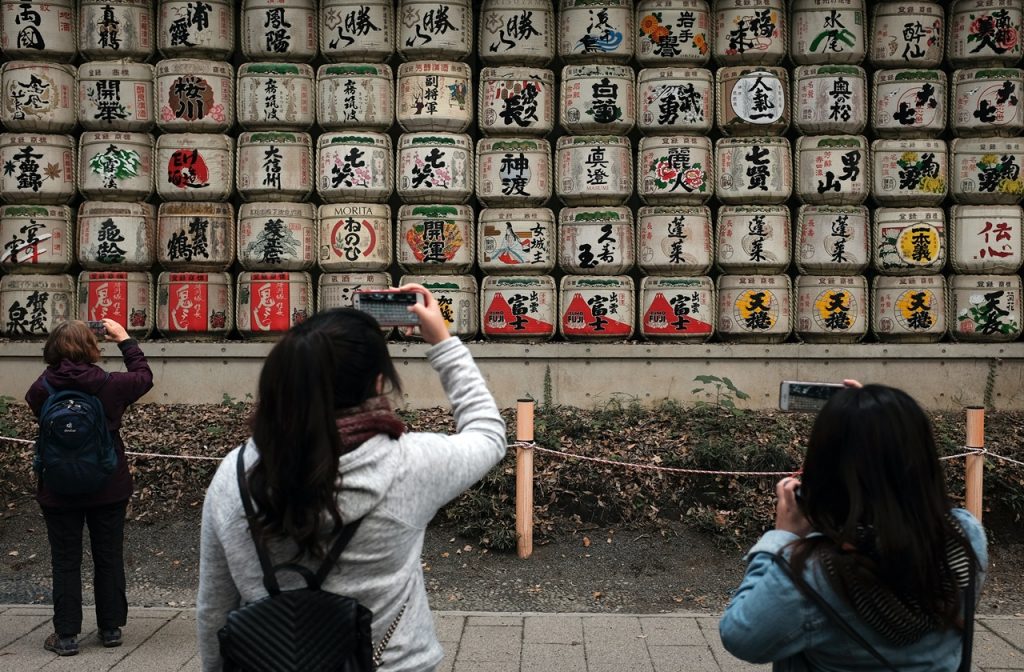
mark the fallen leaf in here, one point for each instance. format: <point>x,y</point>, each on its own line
<point>597,594</point>
<point>13,553</point>
<point>586,541</point>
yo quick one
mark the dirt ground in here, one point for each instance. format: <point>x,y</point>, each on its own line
<point>597,570</point>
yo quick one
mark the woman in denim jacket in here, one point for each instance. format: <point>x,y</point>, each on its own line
<point>870,529</point>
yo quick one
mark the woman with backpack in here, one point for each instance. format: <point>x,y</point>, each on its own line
<point>69,499</point>
<point>327,452</point>
<point>869,565</point>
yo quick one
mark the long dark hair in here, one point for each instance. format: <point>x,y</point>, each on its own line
<point>873,487</point>
<point>330,362</point>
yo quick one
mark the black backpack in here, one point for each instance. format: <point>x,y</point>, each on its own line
<point>308,629</point>
<point>74,450</point>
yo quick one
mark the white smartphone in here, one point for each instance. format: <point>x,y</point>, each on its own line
<point>390,307</point>
<point>799,396</point>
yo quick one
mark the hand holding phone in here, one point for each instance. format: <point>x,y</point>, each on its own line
<point>800,396</point>
<point>390,307</point>
<point>98,328</point>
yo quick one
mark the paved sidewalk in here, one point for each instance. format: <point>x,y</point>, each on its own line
<point>163,640</point>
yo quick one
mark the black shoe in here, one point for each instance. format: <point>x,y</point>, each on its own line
<point>111,638</point>
<point>62,645</point>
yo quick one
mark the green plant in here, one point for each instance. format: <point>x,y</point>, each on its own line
<point>236,404</point>
<point>6,428</point>
<point>721,392</point>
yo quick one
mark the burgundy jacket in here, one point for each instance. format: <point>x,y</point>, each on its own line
<point>116,394</point>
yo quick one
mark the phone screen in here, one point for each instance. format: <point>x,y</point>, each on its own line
<point>798,396</point>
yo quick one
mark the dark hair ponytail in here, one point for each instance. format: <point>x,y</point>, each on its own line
<point>330,362</point>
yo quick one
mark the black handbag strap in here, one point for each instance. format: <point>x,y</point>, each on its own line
<point>269,570</point>
<point>969,600</point>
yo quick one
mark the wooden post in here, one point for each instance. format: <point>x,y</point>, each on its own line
<point>524,479</point>
<point>975,467</point>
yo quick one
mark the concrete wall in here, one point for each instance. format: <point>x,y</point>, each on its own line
<point>940,376</point>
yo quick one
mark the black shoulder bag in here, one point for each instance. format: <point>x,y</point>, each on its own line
<point>308,629</point>
<point>833,615</point>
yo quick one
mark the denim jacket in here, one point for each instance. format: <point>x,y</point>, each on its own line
<point>768,619</point>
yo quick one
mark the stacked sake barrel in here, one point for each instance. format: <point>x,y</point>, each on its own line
<point>594,170</point>
<point>675,170</point>
<point>38,180</point>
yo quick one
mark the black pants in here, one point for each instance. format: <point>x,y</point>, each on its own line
<point>106,536</point>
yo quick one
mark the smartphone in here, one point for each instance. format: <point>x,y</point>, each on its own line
<point>390,307</point>
<point>799,396</point>
<point>97,327</point>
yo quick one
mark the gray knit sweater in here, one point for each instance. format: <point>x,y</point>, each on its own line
<point>396,485</point>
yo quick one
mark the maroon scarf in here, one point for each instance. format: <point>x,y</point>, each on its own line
<point>372,417</point>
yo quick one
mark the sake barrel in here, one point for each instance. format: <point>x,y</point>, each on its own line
<point>434,96</point>
<point>595,309</point>
<point>594,170</point>
<point>430,29</point>
<point>116,236</point>
<point>355,237</point>
<point>986,170</point>
<point>35,239</point>
<point>38,97</point>
<point>271,303</point>
<point>517,32</point>
<point>276,96</point>
<point>832,169</point>
<point>987,102</point>
<point>38,169</point>
<point>354,167</point>
<point>909,241</point>
<point>753,170</point>
<point>279,30</point>
<point>675,169</point>
<point>518,308</point>
<point>674,240</point>
<point>334,290</point>
<point>516,101</point>
<point>831,309</point>
<point>516,241</point>
<point>274,166</point>
<point>116,165</point>
<point>116,29</point>
<point>355,96</point>
<point>196,29</point>
<point>38,30</point>
<point>596,241</point>
<point>595,31</point>
<point>832,240</point>
<point>276,236</point>
<point>909,103</point>
<point>754,308</point>
<point>436,239</point>
<point>753,239</point>
<point>32,305</point>
<point>750,32</point>
<point>364,31</point>
<point>752,100</point>
<point>675,100</point>
<point>116,96</point>
<point>195,96</point>
<point>985,239</point>
<point>196,236</point>
<point>909,172</point>
<point>673,32</point>
<point>985,308</point>
<point>458,298</point>
<point>677,309</point>
<point>435,167</point>
<point>830,33</point>
<point>910,309</point>
<point>513,173</point>
<point>907,35</point>
<point>123,296</point>
<point>985,33</point>
<point>598,99</point>
<point>194,306</point>
<point>830,99</point>
<point>195,167</point>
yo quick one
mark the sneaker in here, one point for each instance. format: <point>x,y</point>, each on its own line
<point>111,638</point>
<point>62,645</point>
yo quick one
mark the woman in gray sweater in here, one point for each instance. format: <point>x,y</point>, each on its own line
<point>306,477</point>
